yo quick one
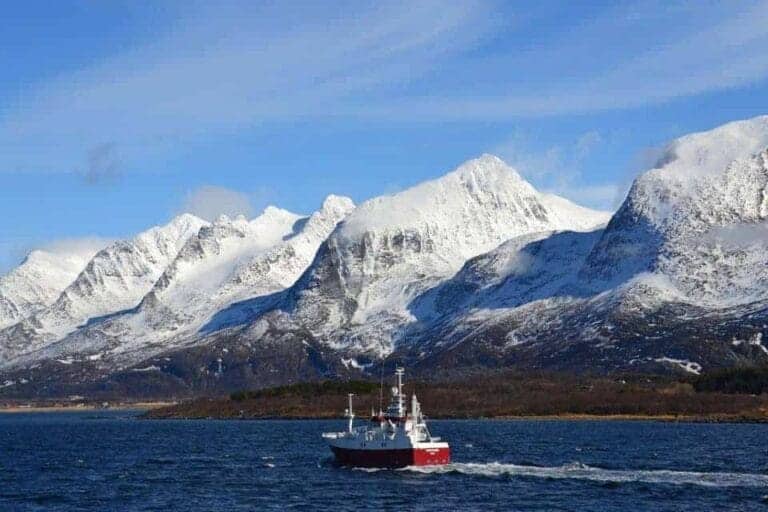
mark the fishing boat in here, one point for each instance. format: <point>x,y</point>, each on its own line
<point>393,438</point>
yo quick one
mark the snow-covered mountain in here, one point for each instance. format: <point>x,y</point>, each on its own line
<point>236,260</point>
<point>473,270</point>
<point>115,279</point>
<point>225,263</point>
<point>695,224</point>
<point>357,294</point>
<point>678,278</point>
<point>40,279</point>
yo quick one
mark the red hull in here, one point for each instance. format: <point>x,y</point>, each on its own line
<point>392,458</point>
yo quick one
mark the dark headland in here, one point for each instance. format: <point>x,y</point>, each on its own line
<point>736,395</point>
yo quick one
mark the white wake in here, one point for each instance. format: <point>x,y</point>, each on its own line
<point>577,471</point>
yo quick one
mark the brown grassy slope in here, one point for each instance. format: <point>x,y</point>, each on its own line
<point>504,395</point>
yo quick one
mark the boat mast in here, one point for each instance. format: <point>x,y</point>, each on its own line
<point>381,392</point>
<point>400,401</point>
<point>350,412</point>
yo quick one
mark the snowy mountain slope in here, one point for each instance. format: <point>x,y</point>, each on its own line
<point>473,270</point>
<point>210,262</point>
<point>116,278</point>
<point>354,299</point>
<point>225,262</point>
<point>393,248</point>
<point>696,219</point>
<point>521,270</point>
<point>679,274</point>
<point>39,280</point>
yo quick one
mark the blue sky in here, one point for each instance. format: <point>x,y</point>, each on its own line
<point>115,116</point>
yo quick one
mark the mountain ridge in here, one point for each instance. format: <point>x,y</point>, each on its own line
<point>40,278</point>
<point>113,280</point>
<point>470,271</point>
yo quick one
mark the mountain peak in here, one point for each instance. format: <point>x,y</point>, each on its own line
<point>37,282</point>
<point>706,184</point>
<point>274,213</point>
<point>486,167</point>
<point>36,255</point>
<point>485,160</point>
<point>707,153</point>
<point>337,203</point>
<point>718,174</point>
<point>479,189</point>
<point>185,220</point>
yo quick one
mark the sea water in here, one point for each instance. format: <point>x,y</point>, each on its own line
<point>114,461</point>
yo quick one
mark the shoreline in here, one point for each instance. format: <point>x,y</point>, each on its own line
<point>147,407</point>
<point>665,418</point>
<point>143,406</point>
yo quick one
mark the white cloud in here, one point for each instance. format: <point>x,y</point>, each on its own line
<point>739,235</point>
<point>80,245</point>
<point>14,250</point>
<point>209,202</point>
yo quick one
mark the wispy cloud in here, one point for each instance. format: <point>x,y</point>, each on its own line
<point>739,235</point>
<point>230,66</point>
<point>602,197</point>
<point>103,165</point>
<point>559,169</point>
<point>14,250</point>
<point>209,202</point>
<point>79,245</point>
<point>630,56</point>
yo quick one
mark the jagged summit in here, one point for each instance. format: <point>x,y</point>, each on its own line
<point>273,212</point>
<point>484,168</point>
<point>469,210</point>
<point>222,264</point>
<point>116,278</point>
<point>211,256</point>
<point>182,221</point>
<point>332,203</point>
<point>40,278</point>
<point>223,254</point>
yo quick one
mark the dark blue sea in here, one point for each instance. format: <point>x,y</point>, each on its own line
<point>113,461</point>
